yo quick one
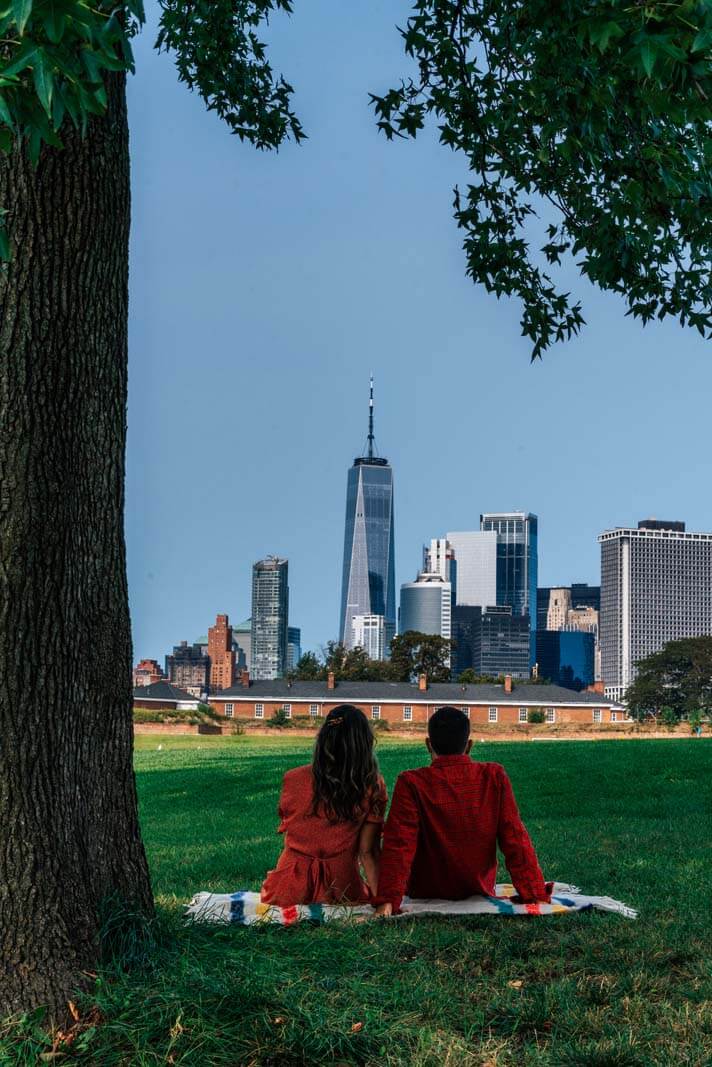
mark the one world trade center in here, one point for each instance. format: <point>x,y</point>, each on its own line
<point>368,583</point>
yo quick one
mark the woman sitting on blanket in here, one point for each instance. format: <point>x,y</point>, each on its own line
<point>331,814</point>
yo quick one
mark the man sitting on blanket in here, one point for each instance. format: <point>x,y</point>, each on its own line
<point>445,822</point>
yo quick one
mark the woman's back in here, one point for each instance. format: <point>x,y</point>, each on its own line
<point>331,814</point>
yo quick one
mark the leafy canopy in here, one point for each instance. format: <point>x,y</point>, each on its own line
<point>585,126</point>
<point>411,654</point>
<point>593,115</point>
<point>675,682</point>
<point>54,55</point>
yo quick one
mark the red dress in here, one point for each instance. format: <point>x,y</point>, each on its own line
<point>319,862</point>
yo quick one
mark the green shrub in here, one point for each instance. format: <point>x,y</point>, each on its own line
<point>535,715</point>
<point>279,720</point>
<point>669,718</point>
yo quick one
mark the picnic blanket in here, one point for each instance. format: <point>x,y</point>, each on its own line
<point>246,908</point>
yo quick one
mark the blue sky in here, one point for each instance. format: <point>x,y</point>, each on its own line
<point>265,288</point>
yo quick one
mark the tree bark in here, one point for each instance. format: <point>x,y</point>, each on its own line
<point>69,833</point>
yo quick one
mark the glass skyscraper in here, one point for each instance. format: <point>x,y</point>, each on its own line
<point>368,579</point>
<point>270,610</point>
<point>517,556</point>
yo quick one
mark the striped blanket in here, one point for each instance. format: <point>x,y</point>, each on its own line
<point>246,908</point>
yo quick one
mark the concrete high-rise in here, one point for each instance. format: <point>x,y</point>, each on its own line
<point>270,611</point>
<point>368,577</point>
<point>475,555</point>
<point>188,667</point>
<point>656,586</point>
<point>369,633</point>
<point>517,565</point>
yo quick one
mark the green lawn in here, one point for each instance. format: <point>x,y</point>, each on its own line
<point>631,819</point>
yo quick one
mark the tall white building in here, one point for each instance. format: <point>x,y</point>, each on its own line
<point>369,633</point>
<point>656,586</point>
<point>476,567</point>
<point>439,558</point>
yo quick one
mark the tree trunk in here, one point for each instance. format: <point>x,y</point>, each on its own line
<point>69,833</point>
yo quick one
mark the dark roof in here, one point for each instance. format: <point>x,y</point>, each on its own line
<point>437,692</point>
<point>161,691</point>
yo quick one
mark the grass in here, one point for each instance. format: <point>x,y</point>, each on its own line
<point>630,820</point>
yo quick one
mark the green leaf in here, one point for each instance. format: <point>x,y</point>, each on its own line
<point>22,10</point>
<point>648,55</point>
<point>44,80</point>
<point>22,60</point>
<point>702,41</point>
<point>6,139</point>
<point>54,24</point>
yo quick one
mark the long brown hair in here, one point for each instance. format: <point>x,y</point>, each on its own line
<point>345,769</point>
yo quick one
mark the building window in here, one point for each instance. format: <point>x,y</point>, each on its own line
<point>407,713</point>
<point>614,716</point>
<point>596,714</point>
<point>523,715</point>
<point>313,710</point>
<point>465,710</point>
<point>375,711</point>
<point>550,715</point>
<point>287,709</point>
<point>492,716</point>
<point>259,711</point>
<point>229,710</point>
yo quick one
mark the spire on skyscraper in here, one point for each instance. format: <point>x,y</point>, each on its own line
<point>370,422</point>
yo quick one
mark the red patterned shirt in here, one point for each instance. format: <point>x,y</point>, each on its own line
<point>443,829</point>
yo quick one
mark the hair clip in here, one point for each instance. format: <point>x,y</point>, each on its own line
<point>335,722</point>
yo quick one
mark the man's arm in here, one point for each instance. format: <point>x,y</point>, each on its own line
<point>400,839</point>
<point>516,846</point>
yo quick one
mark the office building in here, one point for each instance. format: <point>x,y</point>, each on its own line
<point>566,657</point>
<point>369,633</point>
<point>147,672</point>
<point>656,586</point>
<point>188,668</point>
<point>582,595</point>
<point>426,606</point>
<point>221,654</point>
<point>368,576</point>
<point>294,647</point>
<point>467,636</point>
<point>270,612</point>
<point>559,607</point>
<point>517,565</point>
<point>439,558</point>
<point>475,554</point>
<point>505,642</point>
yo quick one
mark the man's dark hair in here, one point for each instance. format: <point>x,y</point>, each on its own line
<point>449,731</point>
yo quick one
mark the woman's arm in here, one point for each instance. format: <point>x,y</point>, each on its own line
<point>369,851</point>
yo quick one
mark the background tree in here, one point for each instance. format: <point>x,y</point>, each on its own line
<point>413,654</point>
<point>308,669</point>
<point>470,677</point>
<point>678,679</point>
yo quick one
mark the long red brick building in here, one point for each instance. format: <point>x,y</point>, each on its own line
<point>411,705</point>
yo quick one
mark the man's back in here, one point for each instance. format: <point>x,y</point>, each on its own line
<point>443,829</point>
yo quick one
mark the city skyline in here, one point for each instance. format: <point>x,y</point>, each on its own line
<point>309,268</point>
